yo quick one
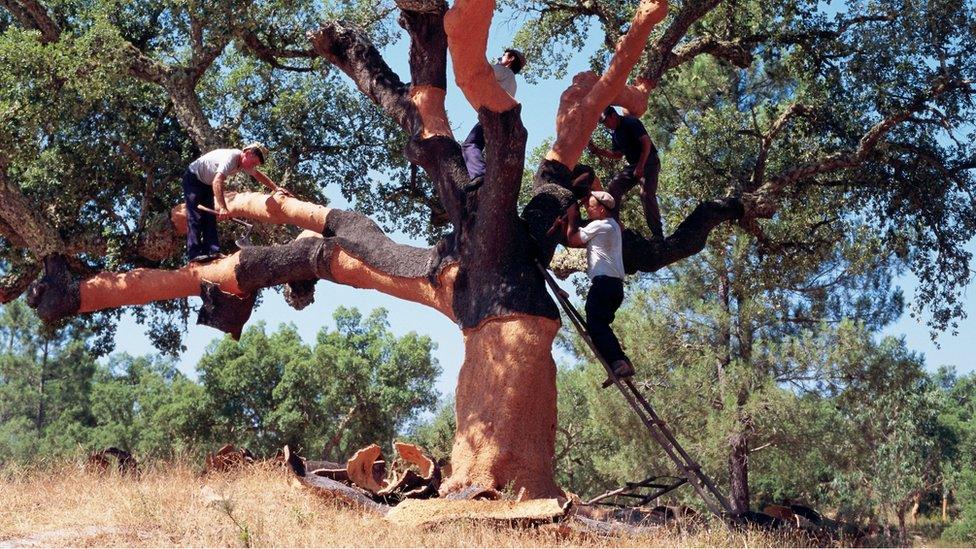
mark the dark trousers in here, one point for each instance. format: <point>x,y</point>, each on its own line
<point>606,295</point>
<point>201,227</point>
<point>473,150</point>
<point>625,181</point>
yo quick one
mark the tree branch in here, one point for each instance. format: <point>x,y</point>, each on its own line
<point>581,104</point>
<point>32,14</point>
<point>19,215</point>
<point>354,251</point>
<point>467,24</point>
<point>764,202</point>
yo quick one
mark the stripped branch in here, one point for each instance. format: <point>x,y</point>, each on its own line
<point>467,24</point>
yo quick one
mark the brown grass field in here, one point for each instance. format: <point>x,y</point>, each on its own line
<point>258,507</point>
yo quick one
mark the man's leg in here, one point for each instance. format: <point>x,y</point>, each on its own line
<point>211,238</point>
<point>619,186</point>
<point>473,151</point>
<point>648,196</point>
<point>605,296</point>
<point>191,197</point>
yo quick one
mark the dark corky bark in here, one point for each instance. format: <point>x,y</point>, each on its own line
<point>359,236</point>
<point>428,43</point>
<point>300,294</point>
<point>265,266</point>
<point>498,276</point>
<point>641,254</point>
<point>348,48</point>
<point>56,295</point>
<point>223,311</point>
<point>551,197</point>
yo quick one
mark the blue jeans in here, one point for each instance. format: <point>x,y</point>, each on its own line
<point>201,227</point>
<point>605,296</point>
<point>473,150</point>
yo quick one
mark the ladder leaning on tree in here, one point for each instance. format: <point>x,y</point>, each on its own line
<point>689,471</point>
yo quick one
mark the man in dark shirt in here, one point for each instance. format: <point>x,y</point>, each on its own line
<point>630,141</point>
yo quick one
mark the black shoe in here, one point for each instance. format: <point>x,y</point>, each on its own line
<point>474,184</point>
<point>621,369</point>
<point>206,258</point>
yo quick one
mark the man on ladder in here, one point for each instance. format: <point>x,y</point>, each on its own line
<point>605,266</point>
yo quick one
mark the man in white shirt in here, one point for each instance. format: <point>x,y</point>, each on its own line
<point>509,64</point>
<point>203,185</point>
<point>603,241</point>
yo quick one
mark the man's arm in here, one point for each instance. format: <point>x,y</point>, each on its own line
<point>573,238</point>
<point>645,141</point>
<point>219,201</point>
<point>604,153</point>
<point>267,182</point>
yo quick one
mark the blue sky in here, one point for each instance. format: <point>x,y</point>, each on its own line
<point>539,104</point>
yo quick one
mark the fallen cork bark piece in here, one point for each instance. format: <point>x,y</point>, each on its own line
<point>405,483</point>
<point>412,453</point>
<point>338,475</point>
<point>330,489</point>
<point>474,492</point>
<point>228,457</point>
<point>98,462</point>
<point>361,469</point>
<point>416,513</point>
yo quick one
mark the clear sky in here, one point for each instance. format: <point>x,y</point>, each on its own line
<point>539,104</point>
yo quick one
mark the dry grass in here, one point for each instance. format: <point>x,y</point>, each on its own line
<point>259,507</point>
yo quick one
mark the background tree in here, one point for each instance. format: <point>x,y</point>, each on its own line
<point>357,385</point>
<point>873,123</point>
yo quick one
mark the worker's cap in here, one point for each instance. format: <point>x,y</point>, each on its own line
<point>259,148</point>
<point>604,198</point>
<point>519,63</point>
<point>607,112</point>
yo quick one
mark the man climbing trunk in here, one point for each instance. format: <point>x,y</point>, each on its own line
<point>509,64</point>
<point>605,265</point>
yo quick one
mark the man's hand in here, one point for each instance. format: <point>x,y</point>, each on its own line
<point>282,191</point>
<point>639,172</point>
<point>223,213</point>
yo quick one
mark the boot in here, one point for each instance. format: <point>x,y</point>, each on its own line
<point>621,369</point>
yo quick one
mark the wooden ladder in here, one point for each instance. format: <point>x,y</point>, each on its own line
<point>688,469</point>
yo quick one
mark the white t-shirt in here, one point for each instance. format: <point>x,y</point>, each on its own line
<point>604,248</point>
<point>505,78</point>
<point>225,161</point>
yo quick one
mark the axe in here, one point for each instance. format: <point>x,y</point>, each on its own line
<point>244,241</point>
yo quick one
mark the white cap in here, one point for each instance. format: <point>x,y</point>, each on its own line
<point>604,198</point>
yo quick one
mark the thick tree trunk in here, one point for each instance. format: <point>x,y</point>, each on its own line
<point>506,407</point>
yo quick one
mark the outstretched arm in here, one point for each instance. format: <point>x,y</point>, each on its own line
<point>604,153</point>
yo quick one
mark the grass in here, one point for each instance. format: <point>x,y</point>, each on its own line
<point>170,505</point>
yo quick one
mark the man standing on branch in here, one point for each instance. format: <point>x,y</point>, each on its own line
<point>203,185</point>
<point>605,266</point>
<point>630,141</point>
<point>509,64</point>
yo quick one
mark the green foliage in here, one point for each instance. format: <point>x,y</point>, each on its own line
<point>357,385</point>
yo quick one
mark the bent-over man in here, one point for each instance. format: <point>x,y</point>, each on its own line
<point>203,185</point>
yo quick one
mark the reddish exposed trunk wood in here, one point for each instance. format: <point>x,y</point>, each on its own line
<point>506,408</point>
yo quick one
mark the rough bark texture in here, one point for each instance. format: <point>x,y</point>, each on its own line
<point>506,416</point>
<point>739,472</point>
